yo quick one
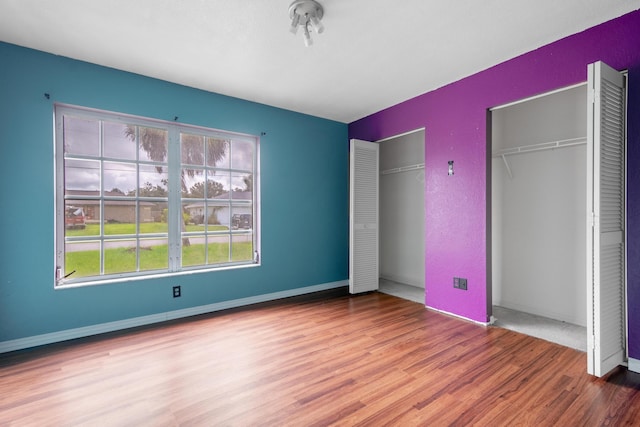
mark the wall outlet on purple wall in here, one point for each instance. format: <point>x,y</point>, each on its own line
<point>460,283</point>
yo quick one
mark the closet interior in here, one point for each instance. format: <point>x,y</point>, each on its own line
<point>538,216</point>
<point>401,212</point>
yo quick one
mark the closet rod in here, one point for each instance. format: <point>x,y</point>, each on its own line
<point>539,147</point>
<point>403,169</point>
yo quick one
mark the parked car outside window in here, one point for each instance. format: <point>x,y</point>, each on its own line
<point>241,221</point>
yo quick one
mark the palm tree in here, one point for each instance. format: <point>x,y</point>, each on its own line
<point>248,183</point>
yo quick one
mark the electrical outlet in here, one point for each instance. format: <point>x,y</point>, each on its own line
<point>176,291</point>
<point>460,283</point>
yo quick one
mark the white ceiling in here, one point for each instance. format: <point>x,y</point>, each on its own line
<point>373,53</point>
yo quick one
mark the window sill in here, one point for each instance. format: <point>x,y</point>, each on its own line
<point>71,285</point>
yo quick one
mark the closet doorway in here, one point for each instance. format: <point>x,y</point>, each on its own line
<point>538,199</point>
<point>560,174</point>
<point>402,216</point>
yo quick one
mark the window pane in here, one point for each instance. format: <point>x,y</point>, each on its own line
<point>120,179</point>
<point>154,181</point>
<point>194,215</point>
<point>242,218</point>
<point>193,183</point>
<point>192,149</point>
<point>120,256</point>
<point>222,213</point>
<point>154,254</point>
<point>81,136</point>
<point>153,217</point>
<point>218,218</point>
<point>193,251</point>
<point>218,185</point>
<point>242,247</point>
<point>82,218</point>
<point>216,188</point>
<point>218,249</point>
<point>82,177</point>
<point>153,144</point>
<point>119,217</point>
<point>242,184</point>
<point>119,141</point>
<point>82,259</point>
<point>217,152</point>
<point>242,155</point>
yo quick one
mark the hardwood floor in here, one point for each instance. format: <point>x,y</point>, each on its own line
<point>372,359</point>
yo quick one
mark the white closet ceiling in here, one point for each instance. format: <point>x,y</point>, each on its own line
<point>373,53</point>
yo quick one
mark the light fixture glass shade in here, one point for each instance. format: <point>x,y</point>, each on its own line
<point>295,21</point>
<point>305,13</point>
<point>317,25</point>
<point>307,37</point>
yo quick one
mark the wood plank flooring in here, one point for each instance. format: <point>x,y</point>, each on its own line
<point>329,359</point>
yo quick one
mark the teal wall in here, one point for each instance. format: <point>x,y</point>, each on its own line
<point>304,189</point>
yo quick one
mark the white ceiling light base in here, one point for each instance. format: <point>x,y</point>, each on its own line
<point>305,14</point>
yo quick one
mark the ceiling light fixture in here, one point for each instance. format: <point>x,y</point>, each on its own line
<point>305,14</point>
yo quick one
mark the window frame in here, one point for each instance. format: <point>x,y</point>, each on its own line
<point>174,200</point>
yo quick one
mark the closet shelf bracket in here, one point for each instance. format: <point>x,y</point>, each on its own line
<point>506,165</point>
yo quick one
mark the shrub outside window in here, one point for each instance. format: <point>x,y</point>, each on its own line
<point>140,197</point>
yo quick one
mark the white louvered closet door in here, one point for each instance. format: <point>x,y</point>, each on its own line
<point>606,318</point>
<point>363,216</point>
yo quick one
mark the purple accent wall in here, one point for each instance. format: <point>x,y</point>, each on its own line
<point>455,119</point>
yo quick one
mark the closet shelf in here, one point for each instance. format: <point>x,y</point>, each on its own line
<point>552,145</point>
<point>403,169</point>
<point>539,147</point>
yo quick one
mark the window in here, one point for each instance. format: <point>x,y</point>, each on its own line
<point>137,197</point>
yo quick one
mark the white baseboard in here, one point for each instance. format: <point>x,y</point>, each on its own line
<point>69,334</point>
<point>634,365</point>
<point>461,317</point>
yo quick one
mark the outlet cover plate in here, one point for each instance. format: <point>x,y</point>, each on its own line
<point>460,283</point>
